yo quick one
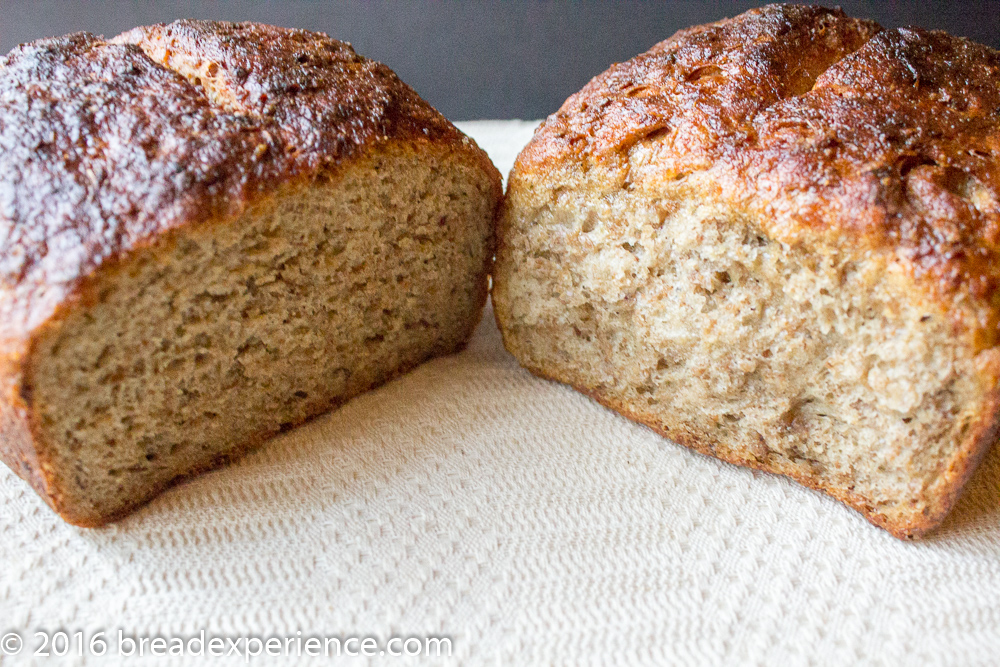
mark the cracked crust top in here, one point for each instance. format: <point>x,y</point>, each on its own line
<point>820,125</point>
<point>104,145</point>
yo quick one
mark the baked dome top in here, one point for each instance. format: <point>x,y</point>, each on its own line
<point>822,126</point>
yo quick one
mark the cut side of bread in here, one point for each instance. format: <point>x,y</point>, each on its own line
<point>233,266</point>
<point>219,337</point>
<point>700,325</point>
<point>780,266</point>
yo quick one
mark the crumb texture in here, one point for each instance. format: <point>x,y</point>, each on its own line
<point>232,332</point>
<point>695,322</point>
<point>774,239</point>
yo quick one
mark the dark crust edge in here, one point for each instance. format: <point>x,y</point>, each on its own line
<point>18,437</point>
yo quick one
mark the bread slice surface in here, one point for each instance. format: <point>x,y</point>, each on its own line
<point>194,261</point>
<point>771,239</point>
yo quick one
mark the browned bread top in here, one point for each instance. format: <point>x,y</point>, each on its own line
<point>823,126</point>
<point>170,139</point>
<point>105,145</point>
<point>325,98</point>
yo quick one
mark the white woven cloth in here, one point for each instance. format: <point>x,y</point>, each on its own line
<point>519,519</point>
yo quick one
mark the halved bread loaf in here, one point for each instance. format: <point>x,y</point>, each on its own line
<point>209,233</point>
<point>775,239</point>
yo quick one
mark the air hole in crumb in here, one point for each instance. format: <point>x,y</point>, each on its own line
<point>966,425</point>
<point>722,277</point>
<point>302,394</point>
<point>662,364</point>
<point>907,420</point>
<point>766,354</point>
<point>285,428</point>
<point>925,318</point>
<point>663,210</point>
<point>589,223</point>
<point>910,162</point>
<point>150,457</point>
<point>213,69</point>
<point>634,248</point>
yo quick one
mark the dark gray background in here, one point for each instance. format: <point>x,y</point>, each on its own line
<point>510,59</point>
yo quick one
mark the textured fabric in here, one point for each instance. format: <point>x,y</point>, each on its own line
<point>471,500</point>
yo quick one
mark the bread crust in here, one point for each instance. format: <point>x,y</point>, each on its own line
<point>834,135</point>
<point>828,129</point>
<point>105,151</point>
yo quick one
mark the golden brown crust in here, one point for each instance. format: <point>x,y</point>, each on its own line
<point>830,132</point>
<point>824,127</point>
<point>17,443</point>
<point>324,100</point>
<point>104,150</point>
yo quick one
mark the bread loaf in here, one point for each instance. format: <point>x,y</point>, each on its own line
<point>209,233</point>
<point>774,239</point>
